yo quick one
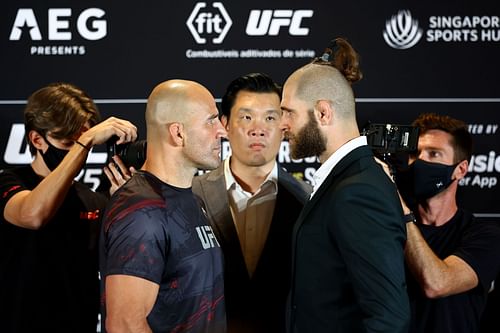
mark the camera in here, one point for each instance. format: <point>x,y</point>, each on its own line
<point>387,139</point>
<point>131,153</point>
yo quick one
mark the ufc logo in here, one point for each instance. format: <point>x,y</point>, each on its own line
<point>207,237</point>
<point>269,22</point>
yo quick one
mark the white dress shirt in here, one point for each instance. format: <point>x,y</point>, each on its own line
<point>252,213</point>
<point>327,167</point>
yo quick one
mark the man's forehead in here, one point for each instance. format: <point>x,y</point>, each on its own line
<point>435,138</point>
<point>435,133</point>
<point>290,85</point>
<point>252,110</point>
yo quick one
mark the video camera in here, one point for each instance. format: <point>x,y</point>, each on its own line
<point>389,139</point>
<point>131,153</point>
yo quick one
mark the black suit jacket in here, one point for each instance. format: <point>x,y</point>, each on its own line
<point>254,304</point>
<point>348,259</point>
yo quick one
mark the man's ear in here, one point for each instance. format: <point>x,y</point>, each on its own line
<point>461,170</point>
<point>324,112</point>
<point>176,131</point>
<point>37,140</point>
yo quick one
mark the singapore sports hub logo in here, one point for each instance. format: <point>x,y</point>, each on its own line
<point>402,31</point>
<point>202,23</point>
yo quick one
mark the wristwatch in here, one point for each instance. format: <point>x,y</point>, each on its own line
<point>410,217</point>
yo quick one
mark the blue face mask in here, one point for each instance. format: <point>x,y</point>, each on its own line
<point>53,156</point>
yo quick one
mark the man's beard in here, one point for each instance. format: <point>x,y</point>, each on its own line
<point>309,141</point>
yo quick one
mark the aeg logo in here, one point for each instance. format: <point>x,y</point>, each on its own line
<point>269,22</point>
<point>207,23</point>
<point>58,27</point>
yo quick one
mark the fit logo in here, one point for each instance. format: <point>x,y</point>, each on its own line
<point>402,31</point>
<point>202,23</point>
<point>269,22</point>
<point>207,237</point>
<point>89,24</point>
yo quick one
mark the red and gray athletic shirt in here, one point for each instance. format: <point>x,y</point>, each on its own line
<point>160,233</point>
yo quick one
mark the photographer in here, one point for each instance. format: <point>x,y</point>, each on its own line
<point>452,257</point>
<point>49,223</point>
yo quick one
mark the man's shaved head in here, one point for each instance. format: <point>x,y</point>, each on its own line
<point>169,101</point>
<point>315,82</point>
<point>183,131</point>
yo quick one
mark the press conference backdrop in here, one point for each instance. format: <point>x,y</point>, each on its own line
<point>430,56</point>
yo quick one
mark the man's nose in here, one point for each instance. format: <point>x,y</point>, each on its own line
<point>258,128</point>
<point>221,132</point>
<point>284,125</point>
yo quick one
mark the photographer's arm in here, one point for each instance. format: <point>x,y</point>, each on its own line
<point>33,209</point>
<point>436,277</point>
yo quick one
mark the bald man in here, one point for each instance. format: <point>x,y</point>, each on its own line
<point>348,269</point>
<point>161,265</point>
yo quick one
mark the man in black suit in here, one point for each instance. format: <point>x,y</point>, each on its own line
<point>348,242</point>
<point>252,204</point>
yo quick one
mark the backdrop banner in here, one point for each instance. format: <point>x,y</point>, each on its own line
<point>428,57</point>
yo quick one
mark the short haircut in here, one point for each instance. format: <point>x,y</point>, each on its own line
<point>330,78</point>
<point>253,82</point>
<point>461,139</point>
<point>60,109</point>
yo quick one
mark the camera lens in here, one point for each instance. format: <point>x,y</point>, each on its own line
<point>131,153</point>
<point>134,153</point>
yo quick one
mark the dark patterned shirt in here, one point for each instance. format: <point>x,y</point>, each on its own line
<point>158,232</point>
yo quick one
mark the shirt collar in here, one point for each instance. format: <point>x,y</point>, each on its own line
<point>231,181</point>
<point>325,169</point>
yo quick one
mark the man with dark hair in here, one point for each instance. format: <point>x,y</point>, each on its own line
<point>161,265</point>
<point>49,223</point>
<point>348,242</point>
<point>252,204</point>
<point>452,257</point>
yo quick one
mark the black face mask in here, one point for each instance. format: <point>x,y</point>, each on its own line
<point>53,156</point>
<point>423,180</point>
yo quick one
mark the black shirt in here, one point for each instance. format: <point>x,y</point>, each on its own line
<point>478,244</point>
<point>49,277</point>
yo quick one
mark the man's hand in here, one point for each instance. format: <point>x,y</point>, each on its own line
<point>386,167</point>
<point>117,173</point>
<point>100,133</point>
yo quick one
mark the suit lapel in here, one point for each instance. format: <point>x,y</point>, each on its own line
<point>219,213</point>
<point>217,206</point>
<point>343,164</point>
